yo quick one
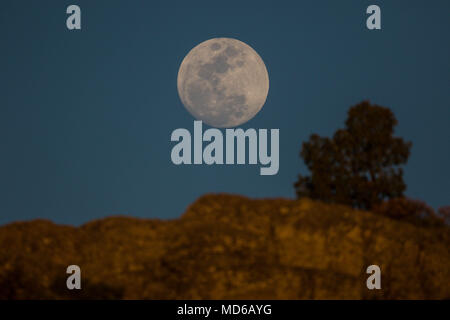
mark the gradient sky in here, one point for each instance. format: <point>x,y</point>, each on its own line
<point>86,116</point>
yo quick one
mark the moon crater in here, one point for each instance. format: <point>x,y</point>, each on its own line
<point>223,82</point>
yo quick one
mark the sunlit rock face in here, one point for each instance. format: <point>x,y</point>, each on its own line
<point>229,247</point>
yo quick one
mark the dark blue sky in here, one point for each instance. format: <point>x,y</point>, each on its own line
<point>86,116</point>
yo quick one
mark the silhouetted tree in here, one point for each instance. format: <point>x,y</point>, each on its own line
<point>359,165</point>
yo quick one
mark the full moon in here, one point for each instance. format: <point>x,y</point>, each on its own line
<point>223,82</point>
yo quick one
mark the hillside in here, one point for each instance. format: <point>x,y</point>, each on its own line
<point>229,247</point>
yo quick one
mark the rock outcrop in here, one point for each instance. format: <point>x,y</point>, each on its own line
<point>229,247</point>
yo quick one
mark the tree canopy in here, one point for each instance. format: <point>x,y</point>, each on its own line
<point>360,164</point>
